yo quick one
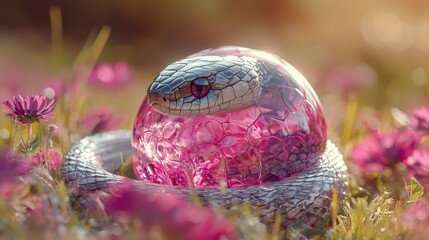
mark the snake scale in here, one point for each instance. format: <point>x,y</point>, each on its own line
<point>196,104</point>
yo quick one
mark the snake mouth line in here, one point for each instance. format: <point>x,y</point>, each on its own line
<point>179,113</point>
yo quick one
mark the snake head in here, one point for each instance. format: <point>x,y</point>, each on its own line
<point>205,85</point>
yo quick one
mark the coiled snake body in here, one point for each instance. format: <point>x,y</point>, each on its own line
<point>231,117</point>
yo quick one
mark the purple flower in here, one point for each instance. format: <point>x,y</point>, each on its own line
<point>167,212</point>
<point>11,167</point>
<point>52,159</point>
<point>418,166</point>
<point>30,109</point>
<point>419,119</point>
<point>417,215</point>
<point>381,150</point>
<point>111,74</point>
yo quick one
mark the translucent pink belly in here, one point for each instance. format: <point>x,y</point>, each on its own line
<point>251,146</point>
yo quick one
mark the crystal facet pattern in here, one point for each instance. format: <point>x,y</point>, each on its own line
<point>282,133</point>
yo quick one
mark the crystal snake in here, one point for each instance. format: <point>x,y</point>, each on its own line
<point>303,195</point>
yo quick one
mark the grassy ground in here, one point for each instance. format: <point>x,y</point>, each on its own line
<point>384,148</point>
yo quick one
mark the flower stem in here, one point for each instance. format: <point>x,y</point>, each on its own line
<point>48,138</point>
<point>351,110</point>
<point>18,131</point>
<point>47,147</point>
<point>28,148</point>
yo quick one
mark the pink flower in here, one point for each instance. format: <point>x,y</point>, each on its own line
<point>100,120</point>
<point>30,109</point>
<point>11,167</point>
<point>419,119</point>
<point>39,212</point>
<point>418,166</point>
<point>53,159</point>
<point>168,212</point>
<point>110,74</point>
<point>381,150</point>
<point>417,215</point>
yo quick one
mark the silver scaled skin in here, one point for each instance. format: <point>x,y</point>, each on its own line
<point>305,197</point>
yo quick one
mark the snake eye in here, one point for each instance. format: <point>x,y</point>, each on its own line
<point>200,87</point>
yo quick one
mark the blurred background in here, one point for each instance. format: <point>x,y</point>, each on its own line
<point>371,53</point>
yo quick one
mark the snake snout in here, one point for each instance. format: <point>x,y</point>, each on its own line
<point>157,98</point>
